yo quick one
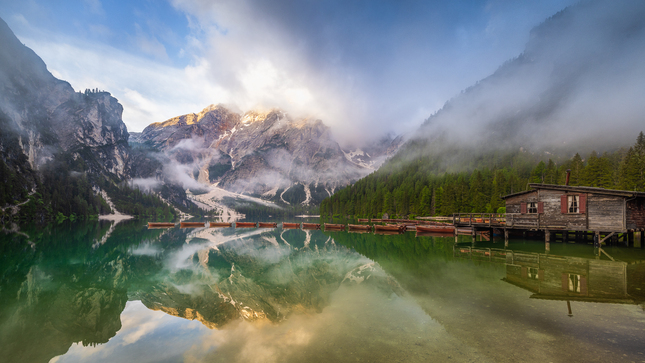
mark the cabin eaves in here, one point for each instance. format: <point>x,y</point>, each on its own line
<point>578,189</point>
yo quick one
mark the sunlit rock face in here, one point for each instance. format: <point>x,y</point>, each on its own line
<point>41,115</point>
<point>265,154</point>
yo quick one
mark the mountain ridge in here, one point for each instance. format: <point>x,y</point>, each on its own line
<point>263,154</point>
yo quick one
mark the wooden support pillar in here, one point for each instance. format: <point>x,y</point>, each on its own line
<point>547,240</point>
<point>505,238</point>
<point>565,236</point>
<point>638,239</point>
<point>596,243</point>
<point>630,238</point>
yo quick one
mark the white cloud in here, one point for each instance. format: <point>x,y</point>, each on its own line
<point>148,90</point>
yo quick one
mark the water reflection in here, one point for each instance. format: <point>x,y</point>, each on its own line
<point>292,295</point>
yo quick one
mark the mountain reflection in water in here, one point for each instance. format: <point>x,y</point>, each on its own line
<point>96,292</point>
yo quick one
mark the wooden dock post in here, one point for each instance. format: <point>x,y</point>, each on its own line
<point>565,236</point>
<point>505,238</point>
<point>596,243</point>
<point>638,239</point>
<point>547,240</point>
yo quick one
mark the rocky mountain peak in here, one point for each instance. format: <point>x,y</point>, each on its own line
<point>262,153</point>
<point>43,115</point>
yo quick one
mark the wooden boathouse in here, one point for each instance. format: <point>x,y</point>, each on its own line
<point>566,210</point>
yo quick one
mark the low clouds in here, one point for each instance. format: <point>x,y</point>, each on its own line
<point>149,92</point>
<point>577,86</point>
<point>365,68</point>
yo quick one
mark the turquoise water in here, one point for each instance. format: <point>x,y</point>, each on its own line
<point>123,293</point>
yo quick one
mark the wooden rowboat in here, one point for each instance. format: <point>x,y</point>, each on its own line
<point>389,227</point>
<point>191,224</point>
<point>160,225</point>
<point>220,224</point>
<point>245,225</point>
<point>436,229</point>
<point>286,225</point>
<point>335,227</point>
<point>363,220</point>
<point>377,220</point>
<point>359,227</point>
<point>268,224</point>
<point>311,226</point>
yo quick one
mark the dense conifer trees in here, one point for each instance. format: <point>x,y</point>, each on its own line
<point>420,188</point>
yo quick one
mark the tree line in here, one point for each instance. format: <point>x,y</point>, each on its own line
<point>65,190</point>
<point>420,188</point>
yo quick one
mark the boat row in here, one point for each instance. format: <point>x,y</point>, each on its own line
<point>391,227</point>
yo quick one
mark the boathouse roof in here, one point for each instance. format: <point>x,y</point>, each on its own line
<point>578,189</point>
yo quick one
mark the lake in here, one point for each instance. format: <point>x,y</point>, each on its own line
<point>97,292</point>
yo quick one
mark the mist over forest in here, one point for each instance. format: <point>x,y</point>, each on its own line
<point>577,87</point>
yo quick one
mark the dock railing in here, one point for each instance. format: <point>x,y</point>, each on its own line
<point>501,220</point>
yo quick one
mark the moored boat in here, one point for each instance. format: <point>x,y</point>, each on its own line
<point>363,220</point>
<point>245,225</point>
<point>192,224</point>
<point>335,227</point>
<point>390,227</point>
<point>220,224</point>
<point>311,226</point>
<point>268,224</point>
<point>286,225</point>
<point>436,228</point>
<point>160,225</point>
<point>359,227</point>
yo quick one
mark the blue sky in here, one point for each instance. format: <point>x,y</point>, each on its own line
<point>363,67</point>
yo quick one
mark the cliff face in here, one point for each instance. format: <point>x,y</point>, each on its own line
<point>41,115</point>
<point>264,154</point>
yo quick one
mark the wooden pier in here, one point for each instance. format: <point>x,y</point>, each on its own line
<point>565,213</point>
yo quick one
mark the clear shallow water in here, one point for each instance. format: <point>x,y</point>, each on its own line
<point>102,293</point>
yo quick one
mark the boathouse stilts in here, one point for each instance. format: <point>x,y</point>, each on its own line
<point>547,240</point>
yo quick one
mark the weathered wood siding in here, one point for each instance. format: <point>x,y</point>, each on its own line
<point>605,213</point>
<point>636,213</point>
<point>602,212</point>
<point>513,203</point>
<point>553,216</point>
